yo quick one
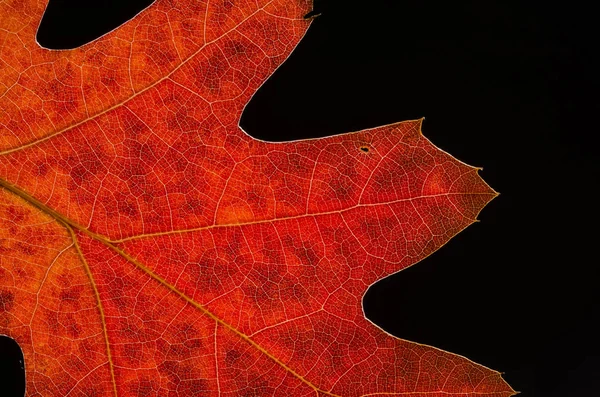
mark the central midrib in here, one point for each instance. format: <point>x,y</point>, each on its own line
<point>70,225</point>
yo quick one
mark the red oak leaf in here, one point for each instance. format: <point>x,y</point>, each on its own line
<point>150,247</point>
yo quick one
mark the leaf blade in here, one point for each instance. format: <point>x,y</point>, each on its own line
<point>197,241</point>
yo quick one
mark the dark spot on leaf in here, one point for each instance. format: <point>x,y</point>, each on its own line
<point>127,208</point>
<point>232,357</point>
<point>210,72</point>
<point>384,179</point>
<point>78,174</point>
<point>256,198</point>
<point>143,387</point>
<point>195,343</point>
<point>16,215</point>
<point>342,187</point>
<point>70,295</point>
<point>170,368</point>
<point>256,387</point>
<point>73,330</point>
<point>194,387</point>
<point>92,391</point>
<point>233,48</point>
<point>7,299</point>
<point>300,293</point>
<point>226,6</point>
<point>307,255</point>
<point>160,54</point>
<point>53,322</point>
<point>108,79</point>
<point>42,169</point>
<point>193,206</point>
<point>25,248</point>
<point>133,352</point>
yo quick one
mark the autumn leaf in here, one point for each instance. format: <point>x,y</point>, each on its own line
<point>150,247</point>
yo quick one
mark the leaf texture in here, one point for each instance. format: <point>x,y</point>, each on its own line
<point>150,247</point>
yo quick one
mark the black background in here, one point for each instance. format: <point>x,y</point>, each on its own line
<point>507,86</point>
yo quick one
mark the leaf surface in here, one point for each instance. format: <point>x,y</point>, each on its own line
<point>149,246</point>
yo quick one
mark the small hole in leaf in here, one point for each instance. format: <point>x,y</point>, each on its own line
<point>365,149</point>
